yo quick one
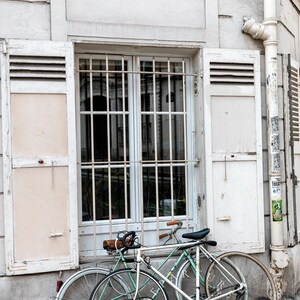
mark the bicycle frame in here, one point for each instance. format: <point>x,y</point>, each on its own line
<point>183,254</point>
<point>199,248</point>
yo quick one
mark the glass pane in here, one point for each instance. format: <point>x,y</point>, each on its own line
<point>176,67</point>
<point>179,190</point>
<point>87,195</point>
<point>118,192</point>
<point>85,128</point>
<point>116,90</point>
<point>147,102</point>
<point>163,138</point>
<point>162,96</point>
<point>84,64</point>
<point>176,93</point>
<point>161,66</point>
<point>165,187</point>
<point>149,192</point>
<point>164,191</point>
<point>146,66</point>
<point>102,194</point>
<point>178,137</point>
<point>148,137</point>
<point>98,64</point>
<point>100,138</point>
<point>85,104</point>
<point>116,65</point>
<point>117,138</point>
<point>146,86</point>
<point>99,92</point>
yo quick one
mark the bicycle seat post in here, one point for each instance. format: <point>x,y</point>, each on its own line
<point>138,267</point>
<point>197,272</point>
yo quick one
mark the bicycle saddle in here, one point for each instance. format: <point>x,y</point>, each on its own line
<point>197,235</point>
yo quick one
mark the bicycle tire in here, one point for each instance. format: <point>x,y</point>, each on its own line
<point>80,285</point>
<point>186,277</point>
<point>120,284</point>
<point>257,280</point>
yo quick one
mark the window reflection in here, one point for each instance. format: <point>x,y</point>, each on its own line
<point>157,136</point>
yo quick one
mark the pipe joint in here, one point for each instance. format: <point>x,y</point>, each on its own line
<point>280,259</point>
<point>256,30</point>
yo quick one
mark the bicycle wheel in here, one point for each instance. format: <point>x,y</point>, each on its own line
<point>186,277</point>
<point>80,285</point>
<point>121,284</point>
<point>232,268</point>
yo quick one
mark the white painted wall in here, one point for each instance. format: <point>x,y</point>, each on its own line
<point>170,13</point>
<point>24,20</point>
<point>193,23</point>
<point>172,21</point>
<point>288,28</point>
<point>2,254</point>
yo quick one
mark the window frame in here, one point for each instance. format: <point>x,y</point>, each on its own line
<point>136,222</point>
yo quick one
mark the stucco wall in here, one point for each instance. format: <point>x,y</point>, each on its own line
<point>2,256</point>
<point>174,21</point>
<point>24,20</point>
<point>201,23</point>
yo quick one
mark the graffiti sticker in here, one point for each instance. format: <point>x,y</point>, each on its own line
<point>277,210</point>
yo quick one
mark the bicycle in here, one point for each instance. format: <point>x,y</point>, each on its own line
<point>81,284</point>
<point>224,278</point>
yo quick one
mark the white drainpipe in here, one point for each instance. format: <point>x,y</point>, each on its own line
<point>267,31</point>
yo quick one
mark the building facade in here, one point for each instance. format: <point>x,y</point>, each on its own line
<point>122,116</point>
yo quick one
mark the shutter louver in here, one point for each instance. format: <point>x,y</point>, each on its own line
<point>37,68</point>
<point>294,103</point>
<point>231,73</point>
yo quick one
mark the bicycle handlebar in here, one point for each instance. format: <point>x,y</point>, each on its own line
<point>174,222</point>
<point>161,236</point>
<point>129,236</point>
<point>211,243</point>
<point>171,223</point>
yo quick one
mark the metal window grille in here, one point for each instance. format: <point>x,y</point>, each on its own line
<point>134,142</point>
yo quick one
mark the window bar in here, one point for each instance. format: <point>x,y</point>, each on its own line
<point>138,72</point>
<point>187,200</point>
<point>185,140</point>
<point>108,147</point>
<point>155,149</point>
<point>93,157</point>
<point>170,140</point>
<point>140,147</point>
<point>124,143</point>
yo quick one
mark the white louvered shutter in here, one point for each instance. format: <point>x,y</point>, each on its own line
<point>40,188</point>
<point>294,144</point>
<point>233,149</point>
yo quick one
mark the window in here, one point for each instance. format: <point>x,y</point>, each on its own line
<point>135,115</point>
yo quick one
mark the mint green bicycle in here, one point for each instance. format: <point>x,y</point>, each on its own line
<point>80,285</point>
<point>232,275</point>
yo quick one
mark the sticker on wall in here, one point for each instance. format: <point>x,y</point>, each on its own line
<point>275,189</point>
<point>277,210</point>
<point>275,162</point>
<point>275,145</point>
<point>275,125</point>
